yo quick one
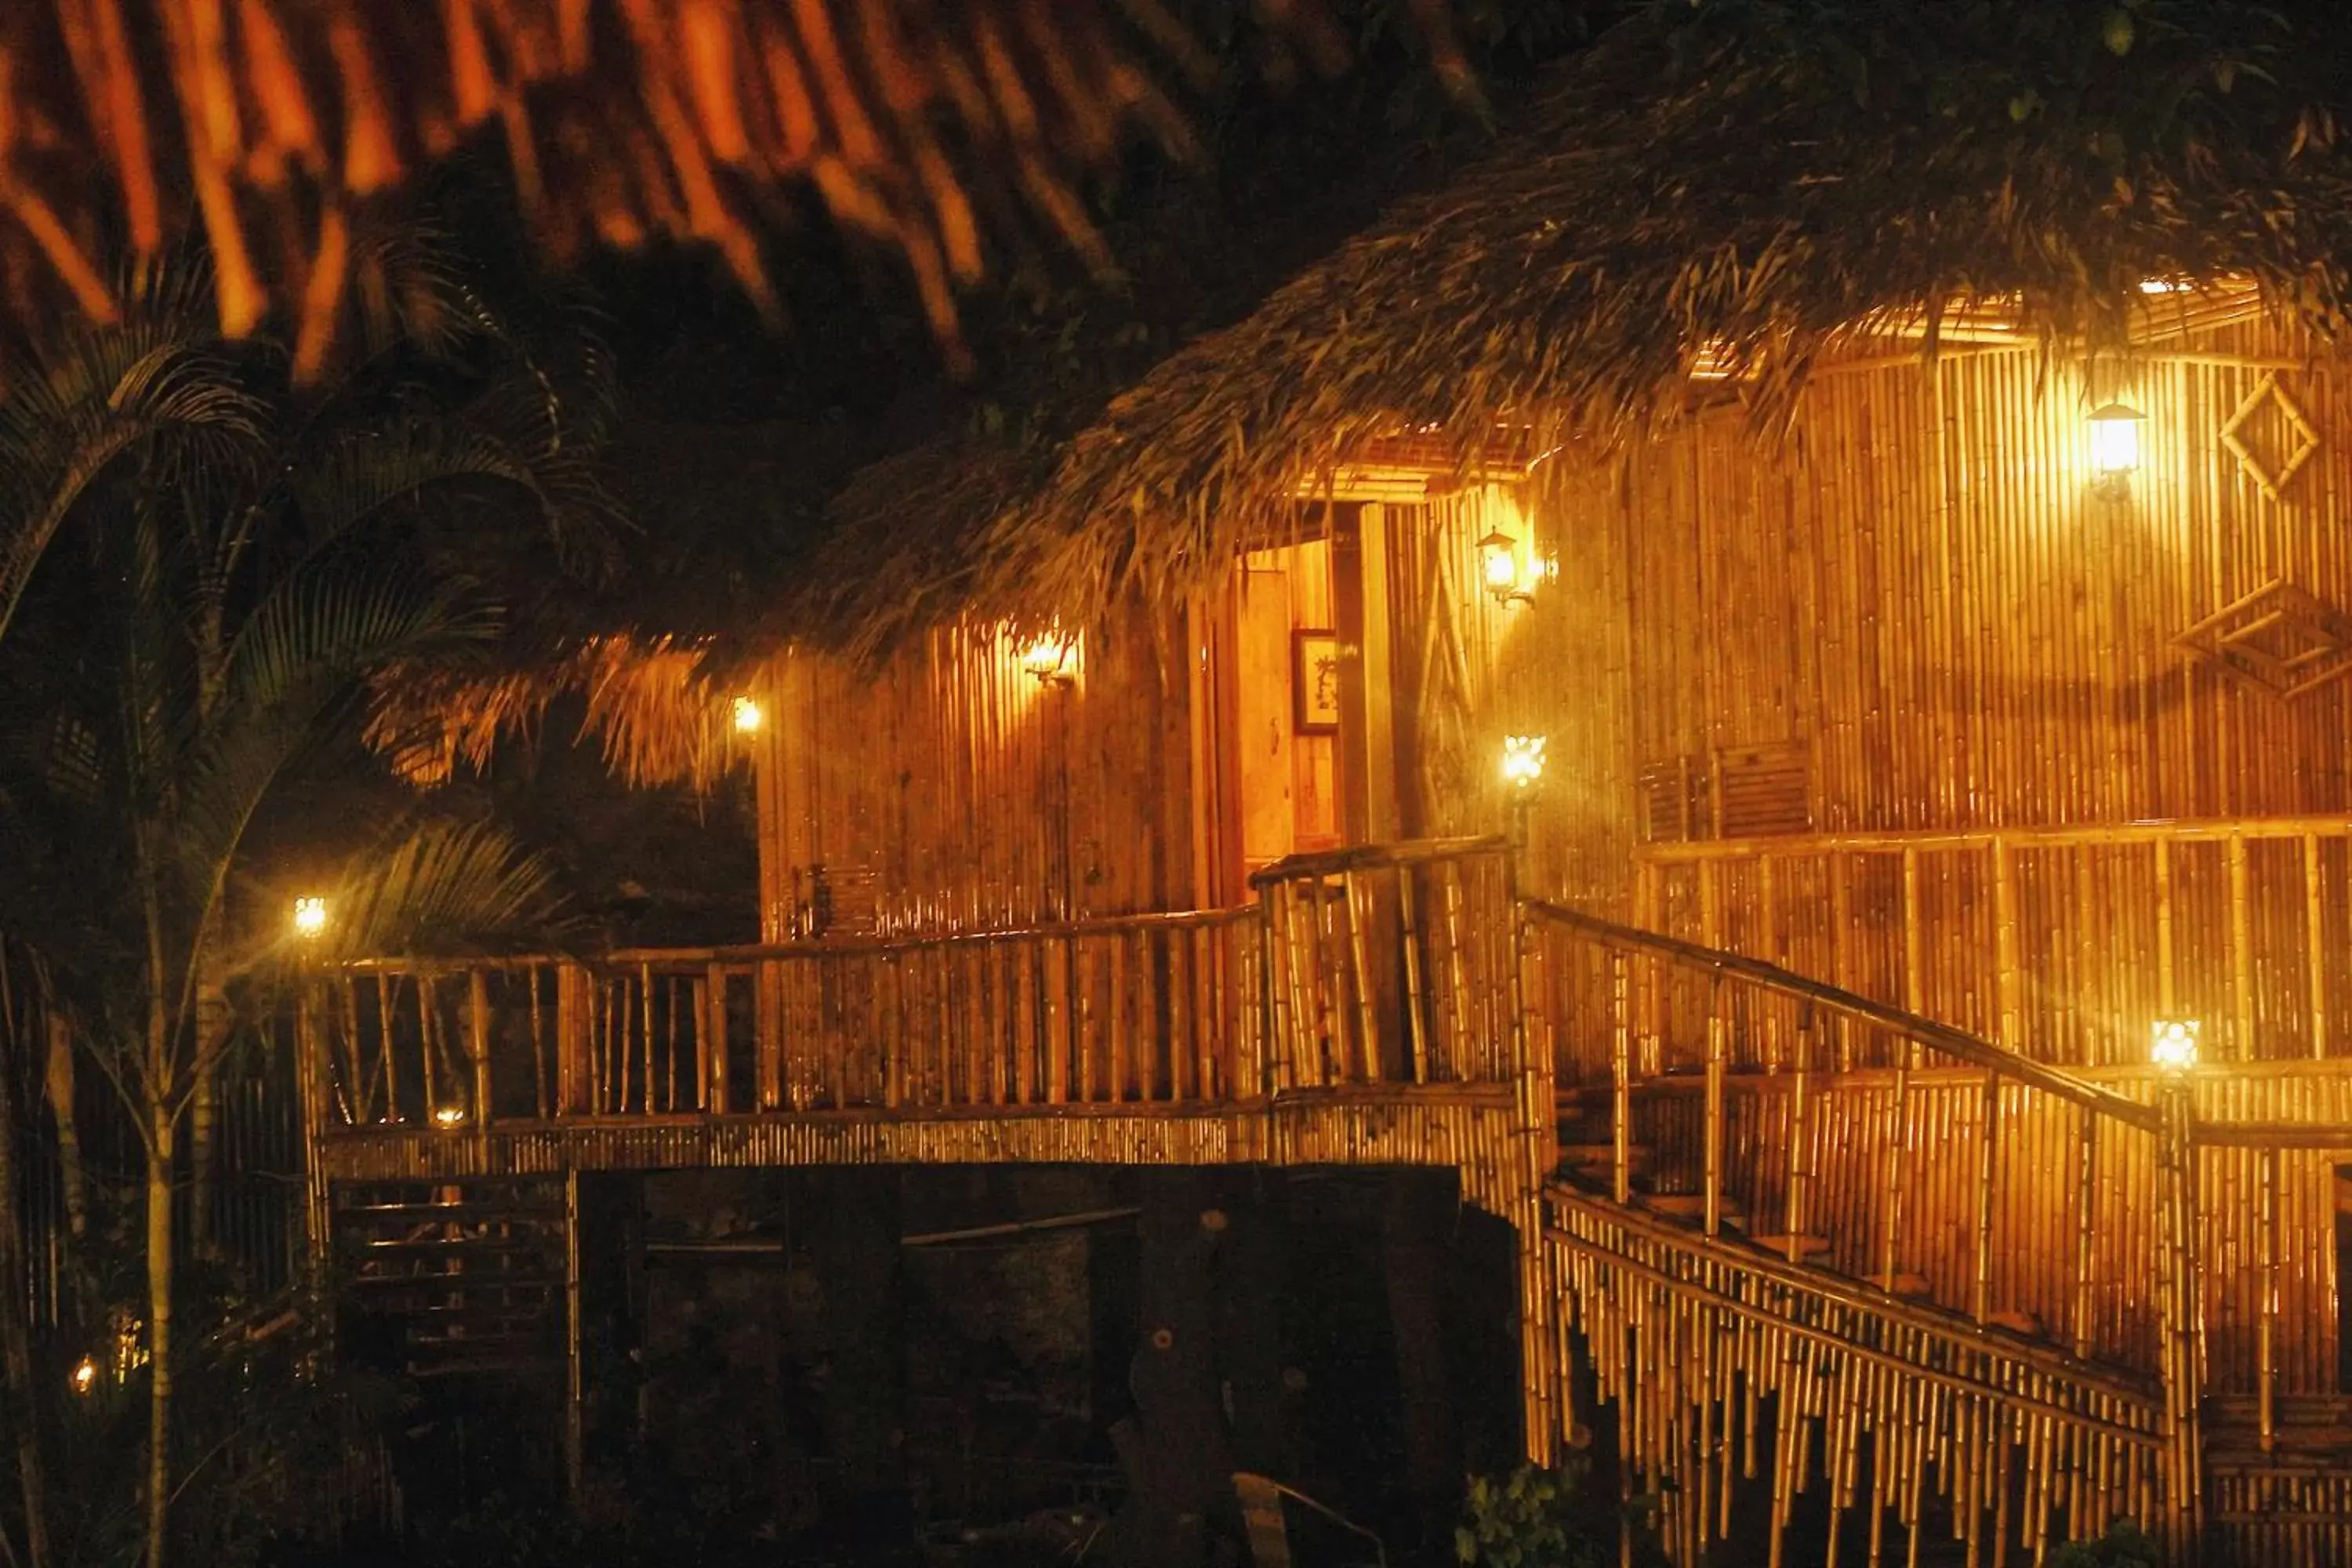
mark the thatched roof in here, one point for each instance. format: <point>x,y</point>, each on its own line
<point>272,127</point>
<point>1734,188</point>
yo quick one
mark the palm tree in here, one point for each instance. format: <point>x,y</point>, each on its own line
<point>198,570</point>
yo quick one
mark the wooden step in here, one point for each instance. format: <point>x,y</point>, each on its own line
<point>2025,1324</point>
<point>1808,1246</point>
<point>1907,1287</point>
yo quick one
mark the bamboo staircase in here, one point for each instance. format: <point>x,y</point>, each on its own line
<point>457,1278</point>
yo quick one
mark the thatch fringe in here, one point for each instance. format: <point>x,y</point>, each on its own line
<point>661,709</point>
<point>622,120</point>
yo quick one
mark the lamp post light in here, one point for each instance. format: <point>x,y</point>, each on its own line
<point>2172,1045</point>
<point>309,917</point>
<point>747,715</point>
<point>2114,449</point>
<point>1523,770</point>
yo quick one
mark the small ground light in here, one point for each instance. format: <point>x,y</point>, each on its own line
<point>309,915</point>
<point>85,1377</point>
<point>749,716</point>
<point>449,1116</point>
<point>1523,761</point>
<point>2172,1044</point>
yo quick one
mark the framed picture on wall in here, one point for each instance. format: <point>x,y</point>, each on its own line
<point>1315,680</point>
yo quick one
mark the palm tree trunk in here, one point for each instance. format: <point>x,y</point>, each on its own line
<point>59,1080</point>
<point>158,1334</point>
<point>16,1333</point>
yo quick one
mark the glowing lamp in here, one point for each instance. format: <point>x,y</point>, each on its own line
<point>749,716</point>
<point>449,1116</point>
<point>1047,659</point>
<point>2172,1044</point>
<point>309,916</point>
<point>2115,446</point>
<point>1523,762</point>
<point>85,1375</point>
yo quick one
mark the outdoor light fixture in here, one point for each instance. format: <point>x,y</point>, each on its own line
<point>2114,449</point>
<point>1047,659</point>
<point>1508,579</point>
<point>309,916</point>
<point>449,1116</point>
<point>1523,762</point>
<point>749,716</point>
<point>2172,1044</point>
<point>85,1375</point>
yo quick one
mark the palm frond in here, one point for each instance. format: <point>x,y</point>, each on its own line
<point>439,887</point>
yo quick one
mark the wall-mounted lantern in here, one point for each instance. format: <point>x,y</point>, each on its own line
<point>1508,577</point>
<point>309,917</point>
<point>747,715</point>
<point>2114,449</point>
<point>1048,658</point>
<point>1523,762</point>
<point>2172,1044</point>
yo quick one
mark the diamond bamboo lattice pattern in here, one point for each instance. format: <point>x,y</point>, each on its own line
<point>2278,637</point>
<point>2244,437</point>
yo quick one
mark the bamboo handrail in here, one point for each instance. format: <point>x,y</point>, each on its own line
<point>2165,831</point>
<point>1920,1031</point>
<point>2092,1376</point>
<point>1374,857</point>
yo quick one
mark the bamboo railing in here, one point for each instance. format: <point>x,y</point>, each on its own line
<point>1971,1196</point>
<point>1145,1009</point>
<point>1390,963</point>
<point>1386,967</point>
<point>2090,931</point>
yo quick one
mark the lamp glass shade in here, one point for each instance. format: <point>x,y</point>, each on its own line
<point>749,716</point>
<point>1523,761</point>
<point>2172,1044</point>
<point>309,915</point>
<point>2115,439</point>
<point>1499,560</point>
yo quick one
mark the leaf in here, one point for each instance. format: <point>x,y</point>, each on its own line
<point>2117,32</point>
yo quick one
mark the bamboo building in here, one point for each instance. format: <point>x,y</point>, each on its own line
<point>1805,756</point>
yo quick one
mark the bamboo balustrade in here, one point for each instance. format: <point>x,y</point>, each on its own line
<point>2094,931</point>
<point>1389,964</point>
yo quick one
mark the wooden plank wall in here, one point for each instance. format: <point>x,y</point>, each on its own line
<point>952,790</point>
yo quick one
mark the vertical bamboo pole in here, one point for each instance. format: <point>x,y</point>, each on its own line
<point>2011,980</point>
<point>1718,1029</point>
<point>1799,1165</point>
<point>2167,999</point>
<point>1409,926</point>
<point>713,1041</point>
<point>2267,1307</point>
<point>1988,1182</point>
<point>477,1044</point>
<point>2314,945</point>
<point>2242,951</point>
<point>2180,1297</point>
<point>1620,1078</point>
<point>2087,1216</point>
<point>573,1452</point>
<point>1360,968</point>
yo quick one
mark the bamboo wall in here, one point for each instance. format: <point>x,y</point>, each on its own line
<point>953,790</point>
<point>1921,584</point>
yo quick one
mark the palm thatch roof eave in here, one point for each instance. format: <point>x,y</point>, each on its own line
<point>1685,204</point>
